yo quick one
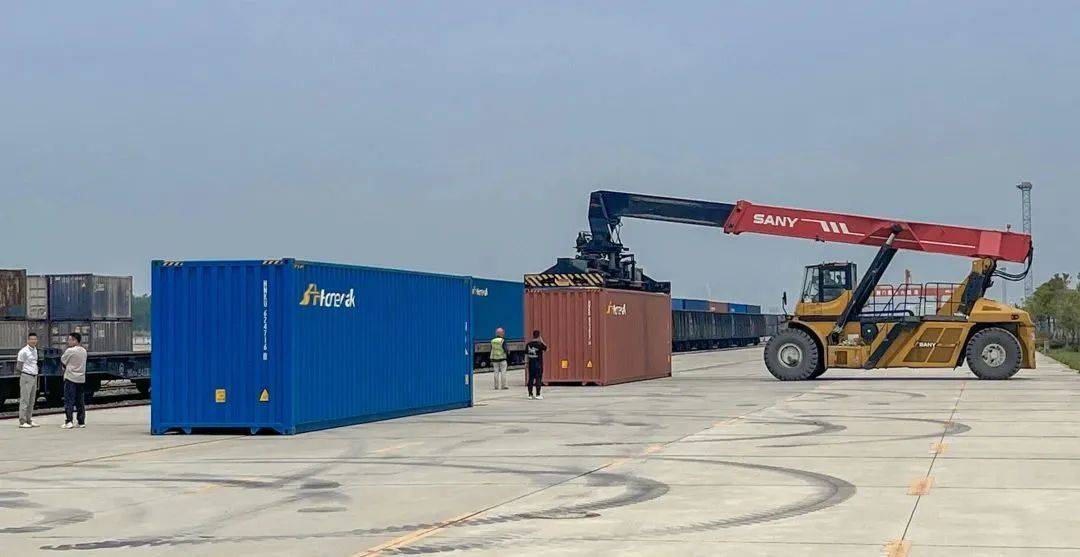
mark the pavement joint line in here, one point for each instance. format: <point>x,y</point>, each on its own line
<point>120,455</point>
<point>930,469</point>
<point>432,530</point>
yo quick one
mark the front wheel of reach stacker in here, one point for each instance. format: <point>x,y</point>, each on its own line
<point>994,353</point>
<point>791,355</point>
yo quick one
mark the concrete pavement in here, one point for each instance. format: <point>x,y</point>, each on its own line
<point>719,460</point>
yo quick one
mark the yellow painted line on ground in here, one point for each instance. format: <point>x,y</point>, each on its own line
<point>415,535</point>
<point>395,447</point>
<point>920,486</point>
<point>897,548</point>
<point>938,448</point>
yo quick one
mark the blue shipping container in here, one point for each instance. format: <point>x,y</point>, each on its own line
<point>737,308</point>
<point>753,309</point>
<point>498,303</point>
<point>677,304</point>
<point>294,346</point>
<point>696,305</point>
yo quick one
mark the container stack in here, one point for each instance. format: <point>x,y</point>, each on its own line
<point>97,307</point>
<point>13,323</point>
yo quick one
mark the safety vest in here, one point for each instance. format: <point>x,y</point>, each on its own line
<point>498,351</point>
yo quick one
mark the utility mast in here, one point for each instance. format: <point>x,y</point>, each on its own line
<point>1025,196</point>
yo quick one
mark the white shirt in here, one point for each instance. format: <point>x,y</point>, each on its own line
<point>29,358</point>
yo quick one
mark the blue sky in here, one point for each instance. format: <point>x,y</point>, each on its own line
<point>464,137</point>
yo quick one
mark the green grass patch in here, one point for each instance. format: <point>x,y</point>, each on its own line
<point>1070,358</point>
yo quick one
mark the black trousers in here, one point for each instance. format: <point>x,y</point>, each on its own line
<point>75,397</point>
<point>536,378</point>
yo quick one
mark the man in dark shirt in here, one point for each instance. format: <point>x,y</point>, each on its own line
<point>534,353</point>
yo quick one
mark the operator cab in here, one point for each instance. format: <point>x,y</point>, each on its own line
<point>827,282</point>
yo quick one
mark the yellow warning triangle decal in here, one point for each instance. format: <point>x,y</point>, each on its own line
<point>265,396</point>
<point>589,365</point>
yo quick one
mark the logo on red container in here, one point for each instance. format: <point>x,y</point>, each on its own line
<point>615,309</point>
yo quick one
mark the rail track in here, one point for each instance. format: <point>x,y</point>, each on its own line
<point>113,394</point>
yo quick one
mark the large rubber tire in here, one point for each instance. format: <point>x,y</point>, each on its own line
<point>818,372</point>
<point>791,356</point>
<point>994,353</point>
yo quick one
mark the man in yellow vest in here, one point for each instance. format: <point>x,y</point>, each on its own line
<point>498,358</point>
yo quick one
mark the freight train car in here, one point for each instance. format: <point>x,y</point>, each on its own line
<point>497,303</point>
<point>53,306</point>
<point>705,330</point>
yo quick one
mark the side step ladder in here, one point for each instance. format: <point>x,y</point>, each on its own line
<point>909,323</point>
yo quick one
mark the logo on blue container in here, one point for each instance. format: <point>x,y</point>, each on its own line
<point>315,296</point>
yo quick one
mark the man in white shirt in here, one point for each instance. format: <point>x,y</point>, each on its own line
<point>26,363</point>
<point>74,362</point>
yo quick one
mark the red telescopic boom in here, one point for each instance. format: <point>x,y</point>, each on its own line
<point>871,231</point>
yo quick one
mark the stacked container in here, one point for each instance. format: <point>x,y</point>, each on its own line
<point>97,307</point>
<point>599,336</point>
<point>13,323</point>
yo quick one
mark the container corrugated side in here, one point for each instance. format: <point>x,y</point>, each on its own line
<point>719,307</point>
<point>12,294</point>
<point>70,297</point>
<point>737,308</point>
<point>221,335</point>
<point>498,303</point>
<point>405,345</point>
<point>696,305</point>
<point>313,345</point>
<point>111,297</point>
<point>97,336</point>
<point>677,304</point>
<point>89,297</point>
<point>601,336</point>
<point>59,331</point>
<point>12,335</point>
<point>37,298</point>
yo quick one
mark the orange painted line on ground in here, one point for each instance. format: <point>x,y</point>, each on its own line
<point>920,486</point>
<point>897,548</point>
<point>414,535</point>
<point>938,448</point>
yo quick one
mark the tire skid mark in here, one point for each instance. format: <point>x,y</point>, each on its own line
<point>820,427</point>
<point>951,428</point>
<point>832,491</point>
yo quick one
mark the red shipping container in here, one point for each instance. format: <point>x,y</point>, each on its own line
<point>601,336</point>
<point>719,307</point>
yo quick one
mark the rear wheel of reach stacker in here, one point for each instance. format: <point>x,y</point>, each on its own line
<point>994,353</point>
<point>792,355</point>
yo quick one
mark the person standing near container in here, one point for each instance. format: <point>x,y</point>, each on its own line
<point>26,363</point>
<point>534,354</point>
<point>74,362</point>
<point>498,358</point>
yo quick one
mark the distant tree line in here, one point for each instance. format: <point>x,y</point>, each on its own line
<point>1055,306</point>
<point>140,313</point>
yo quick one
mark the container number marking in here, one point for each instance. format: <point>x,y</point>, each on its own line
<point>266,320</point>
